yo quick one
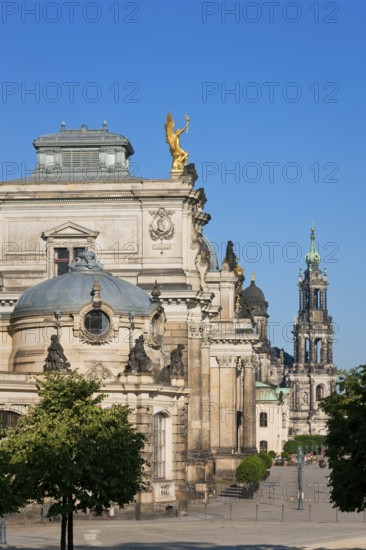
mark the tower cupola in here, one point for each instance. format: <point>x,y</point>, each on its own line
<point>313,256</point>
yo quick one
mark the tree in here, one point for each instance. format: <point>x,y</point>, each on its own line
<point>345,441</point>
<point>250,470</point>
<point>73,452</point>
<point>9,501</point>
<point>310,441</point>
<point>267,459</point>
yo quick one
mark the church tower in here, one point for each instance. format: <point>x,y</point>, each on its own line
<point>313,375</point>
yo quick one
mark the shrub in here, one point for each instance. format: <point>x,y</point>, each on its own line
<point>272,454</point>
<point>267,459</point>
<point>312,442</point>
<point>251,470</point>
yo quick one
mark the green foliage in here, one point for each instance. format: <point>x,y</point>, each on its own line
<point>250,470</point>
<point>311,442</point>
<point>285,455</point>
<point>9,500</point>
<point>345,442</point>
<point>272,454</point>
<point>72,450</point>
<point>267,459</point>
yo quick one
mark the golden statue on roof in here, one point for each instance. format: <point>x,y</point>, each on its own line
<point>179,156</point>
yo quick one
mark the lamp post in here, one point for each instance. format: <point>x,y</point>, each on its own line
<point>2,530</point>
<point>300,496</point>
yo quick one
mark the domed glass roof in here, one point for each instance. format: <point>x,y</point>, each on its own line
<point>74,290</point>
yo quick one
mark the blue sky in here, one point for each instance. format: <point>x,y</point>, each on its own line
<point>276,95</point>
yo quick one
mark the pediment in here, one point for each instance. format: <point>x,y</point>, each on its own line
<point>70,230</point>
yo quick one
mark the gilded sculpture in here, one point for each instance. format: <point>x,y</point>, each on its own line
<point>180,157</point>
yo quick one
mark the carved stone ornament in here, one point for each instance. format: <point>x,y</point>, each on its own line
<point>194,330</point>
<point>250,361</point>
<point>207,333</point>
<point>224,360</point>
<point>162,227</point>
<point>99,372</point>
<point>202,260</point>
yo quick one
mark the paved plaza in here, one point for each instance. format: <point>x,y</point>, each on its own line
<point>271,521</point>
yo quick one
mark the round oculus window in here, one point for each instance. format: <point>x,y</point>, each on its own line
<point>96,323</point>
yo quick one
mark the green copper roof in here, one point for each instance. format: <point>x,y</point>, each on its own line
<point>313,256</point>
<point>265,392</point>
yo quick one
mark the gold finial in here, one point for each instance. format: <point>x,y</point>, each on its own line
<point>179,156</point>
<point>96,299</point>
<point>252,277</point>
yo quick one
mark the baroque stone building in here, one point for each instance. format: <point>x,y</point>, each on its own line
<point>112,275</point>
<point>312,376</point>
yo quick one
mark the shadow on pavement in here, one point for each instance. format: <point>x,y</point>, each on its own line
<point>181,546</point>
<point>202,546</point>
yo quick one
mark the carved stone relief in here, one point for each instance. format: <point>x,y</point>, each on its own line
<point>162,227</point>
<point>99,372</point>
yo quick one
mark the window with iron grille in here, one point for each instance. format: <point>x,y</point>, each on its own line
<point>319,392</point>
<point>263,446</point>
<point>8,419</point>
<point>263,420</point>
<point>159,445</point>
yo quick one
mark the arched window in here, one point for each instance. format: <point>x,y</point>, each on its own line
<point>263,446</point>
<point>8,419</point>
<point>263,420</point>
<point>319,392</point>
<point>159,457</point>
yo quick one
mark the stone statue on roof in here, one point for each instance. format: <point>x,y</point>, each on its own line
<point>138,360</point>
<point>56,359</point>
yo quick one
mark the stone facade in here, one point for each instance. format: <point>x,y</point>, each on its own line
<point>149,233</point>
<point>273,417</point>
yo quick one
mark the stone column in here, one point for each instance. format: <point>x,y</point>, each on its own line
<point>249,419</point>
<point>312,354</point>
<point>206,384</point>
<point>312,397</point>
<point>195,385</point>
<point>323,351</point>
<point>199,459</point>
<point>301,350</point>
<point>330,350</point>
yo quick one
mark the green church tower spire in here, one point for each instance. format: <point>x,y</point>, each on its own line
<point>313,256</point>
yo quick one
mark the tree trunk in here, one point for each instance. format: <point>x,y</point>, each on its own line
<point>63,532</point>
<point>70,532</point>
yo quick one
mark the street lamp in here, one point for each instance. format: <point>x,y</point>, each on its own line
<point>2,530</point>
<point>300,494</point>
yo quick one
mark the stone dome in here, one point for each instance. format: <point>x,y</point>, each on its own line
<point>73,290</point>
<point>254,295</point>
<point>253,301</point>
